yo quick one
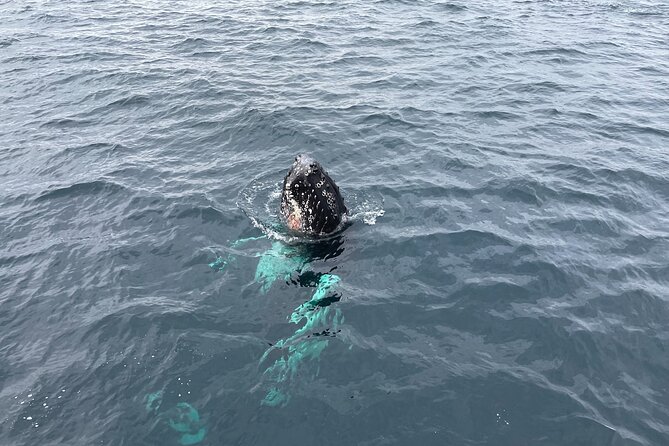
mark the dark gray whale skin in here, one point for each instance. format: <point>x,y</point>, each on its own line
<point>310,200</point>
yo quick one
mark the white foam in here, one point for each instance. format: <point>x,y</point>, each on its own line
<point>369,217</point>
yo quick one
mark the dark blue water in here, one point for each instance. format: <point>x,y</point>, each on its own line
<point>504,279</point>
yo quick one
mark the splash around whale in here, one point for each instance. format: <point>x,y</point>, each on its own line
<point>311,202</point>
<point>261,201</point>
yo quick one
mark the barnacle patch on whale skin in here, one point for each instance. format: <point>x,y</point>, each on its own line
<point>293,214</point>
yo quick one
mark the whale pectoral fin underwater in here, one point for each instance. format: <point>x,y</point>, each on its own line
<point>222,262</point>
<point>306,343</point>
<point>311,202</point>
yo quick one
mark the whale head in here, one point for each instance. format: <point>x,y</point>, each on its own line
<point>310,200</point>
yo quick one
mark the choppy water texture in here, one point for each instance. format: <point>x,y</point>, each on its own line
<point>516,291</point>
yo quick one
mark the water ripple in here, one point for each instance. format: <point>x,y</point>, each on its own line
<point>513,289</point>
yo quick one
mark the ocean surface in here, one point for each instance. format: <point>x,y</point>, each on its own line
<point>503,278</point>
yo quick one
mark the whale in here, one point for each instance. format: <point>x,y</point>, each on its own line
<point>311,202</point>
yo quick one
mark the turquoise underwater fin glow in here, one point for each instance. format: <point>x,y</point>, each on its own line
<point>182,418</point>
<point>185,419</point>
<point>153,401</point>
<point>221,262</point>
<point>278,262</point>
<point>301,346</point>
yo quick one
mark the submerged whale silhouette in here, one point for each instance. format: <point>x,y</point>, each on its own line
<point>310,200</point>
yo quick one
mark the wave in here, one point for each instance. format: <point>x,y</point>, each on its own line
<point>97,187</point>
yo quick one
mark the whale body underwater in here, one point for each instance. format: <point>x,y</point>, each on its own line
<point>311,202</point>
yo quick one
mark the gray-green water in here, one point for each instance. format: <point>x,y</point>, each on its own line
<point>515,290</point>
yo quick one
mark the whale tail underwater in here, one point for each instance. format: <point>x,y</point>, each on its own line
<point>310,200</point>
